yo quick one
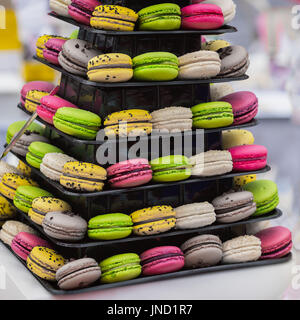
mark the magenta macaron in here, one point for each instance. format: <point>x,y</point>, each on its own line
<point>248,157</point>
<point>244,106</point>
<point>35,85</point>
<point>49,105</point>
<point>202,16</point>
<point>82,10</point>
<point>276,242</point>
<point>130,173</point>
<point>24,242</point>
<point>52,49</point>
<point>161,260</point>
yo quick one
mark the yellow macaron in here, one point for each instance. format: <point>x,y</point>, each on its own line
<point>111,67</point>
<point>153,220</point>
<point>42,205</point>
<point>112,17</point>
<point>24,169</point>
<point>83,176</point>
<point>7,211</point>
<point>133,122</point>
<point>33,98</point>
<point>10,182</point>
<point>236,137</point>
<point>44,262</point>
<point>242,180</point>
<point>215,45</point>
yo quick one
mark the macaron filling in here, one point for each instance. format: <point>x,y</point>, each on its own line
<point>153,220</point>
<point>201,245</point>
<point>83,178</point>
<point>45,268</point>
<point>227,210</point>
<point>84,9</point>
<point>112,66</point>
<point>270,252</point>
<point>163,256</point>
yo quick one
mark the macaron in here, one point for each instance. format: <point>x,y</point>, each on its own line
<point>35,85</point>
<point>49,105</point>
<point>234,206</point>
<point>161,260</point>
<point>18,125</point>
<point>211,163</point>
<point>201,64</point>
<point>52,49</point>
<point>241,249</point>
<point>22,145</point>
<point>42,205</point>
<point>10,183</point>
<point>170,168</point>
<point>75,56</point>
<point>83,177</point>
<point>11,228</point>
<point>113,17</point>
<point>132,122</point>
<point>249,157</point>
<point>155,66</point>
<point>33,98</point>
<point>195,215</point>
<point>215,45</point>
<point>44,262</point>
<point>64,226</point>
<point>110,226</point>
<point>7,211</point>
<point>219,90</point>
<point>78,123</point>
<point>240,181</point>
<point>77,274</point>
<point>82,10</point>
<point>211,115</point>
<point>276,242</point>
<point>228,8</point>
<point>265,195</point>
<point>120,267</point>
<point>111,67</point>
<point>24,169</point>
<point>53,164</point>
<point>236,137</point>
<point>26,194</point>
<point>60,7</point>
<point>153,220</point>
<point>234,61</point>
<point>37,151</point>
<point>172,119</point>
<point>201,17</point>
<point>7,168</point>
<point>129,173</point>
<point>202,251</point>
<point>163,16</point>
<point>24,242</point>
<point>244,106</point>
<point>41,42</point>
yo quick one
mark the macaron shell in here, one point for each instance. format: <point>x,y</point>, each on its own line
<point>53,47</point>
<point>60,7</point>
<point>79,10</point>
<point>33,98</point>
<point>35,85</point>
<point>7,211</point>
<point>236,137</point>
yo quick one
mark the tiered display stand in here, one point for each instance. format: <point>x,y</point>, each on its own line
<point>104,99</point>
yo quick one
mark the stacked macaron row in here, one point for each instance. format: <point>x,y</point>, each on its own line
<point>200,15</point>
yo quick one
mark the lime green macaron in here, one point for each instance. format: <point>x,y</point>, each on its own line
<point>265,194</point>
<point>121,267</point>
<point>170,168</point>
<point>18,125</point>
<point>110,226</point>
<point>36,152</point>
<point>212,115</point>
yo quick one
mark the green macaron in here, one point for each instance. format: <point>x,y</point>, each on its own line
<point>78,123</point>
<point>155,66</point>
<point>212,115</point>
<point>121,267</point>
<point>26,194</point>
<point>36,152</point>
<point>110,226</point>
<point>164,16</point>
<point>170,168</point>
<point>265,194</point>
<point>18,125</point>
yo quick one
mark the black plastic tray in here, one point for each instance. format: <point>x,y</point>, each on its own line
<point>55,290</point>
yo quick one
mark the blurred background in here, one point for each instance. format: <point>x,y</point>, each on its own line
<point>267,28</point>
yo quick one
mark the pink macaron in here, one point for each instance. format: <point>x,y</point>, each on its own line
<point>244,106</point>
<point>52,49</point>
<point>162,260</point>
<point>130,173</point>
<point>276,242</point>
<point>202,16</point>
<point>49,105</point>
<point>24,242</point>
<point>248,157</point>
<point>82,10</point>
<point>35,85</point>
